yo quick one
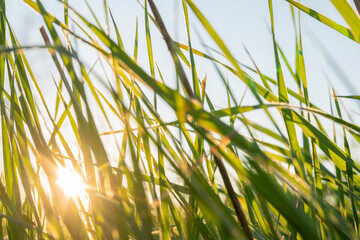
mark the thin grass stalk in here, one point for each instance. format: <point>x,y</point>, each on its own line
<point>170,44</point>
<point>225,176</point>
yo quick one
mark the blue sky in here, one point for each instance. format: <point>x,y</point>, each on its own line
<point>239,22</point>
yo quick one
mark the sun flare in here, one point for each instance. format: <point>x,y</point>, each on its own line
<point>70,182</point>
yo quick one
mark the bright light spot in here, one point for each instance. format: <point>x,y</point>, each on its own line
<point>71,183</point>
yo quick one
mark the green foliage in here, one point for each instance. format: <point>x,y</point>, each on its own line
<point>195,177</point>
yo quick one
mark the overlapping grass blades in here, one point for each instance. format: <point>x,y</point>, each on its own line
<point>183,179</point>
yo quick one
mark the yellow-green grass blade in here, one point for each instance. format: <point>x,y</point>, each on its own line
<point>163,211</point>
<point>349,169</point>
<point>264,92</point>
<point>243,109</point>
<point>283,97</point>
<point>325,20</point>
<point>356,97</point>
<point>87,130</point>
<point>338,156</point>
<point>350,16</point>
<point>192,60</point>
<point>118,36</point>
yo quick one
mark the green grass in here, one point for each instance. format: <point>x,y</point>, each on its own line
<point>195,177</point>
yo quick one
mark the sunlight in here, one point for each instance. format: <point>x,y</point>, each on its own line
<point>71,183</point>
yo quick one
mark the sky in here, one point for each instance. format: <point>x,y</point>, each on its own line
<point>239,22</point>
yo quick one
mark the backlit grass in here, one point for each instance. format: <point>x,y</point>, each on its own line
<point>195,177</point>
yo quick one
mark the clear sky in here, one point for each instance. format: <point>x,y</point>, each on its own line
<point>239,22</point>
